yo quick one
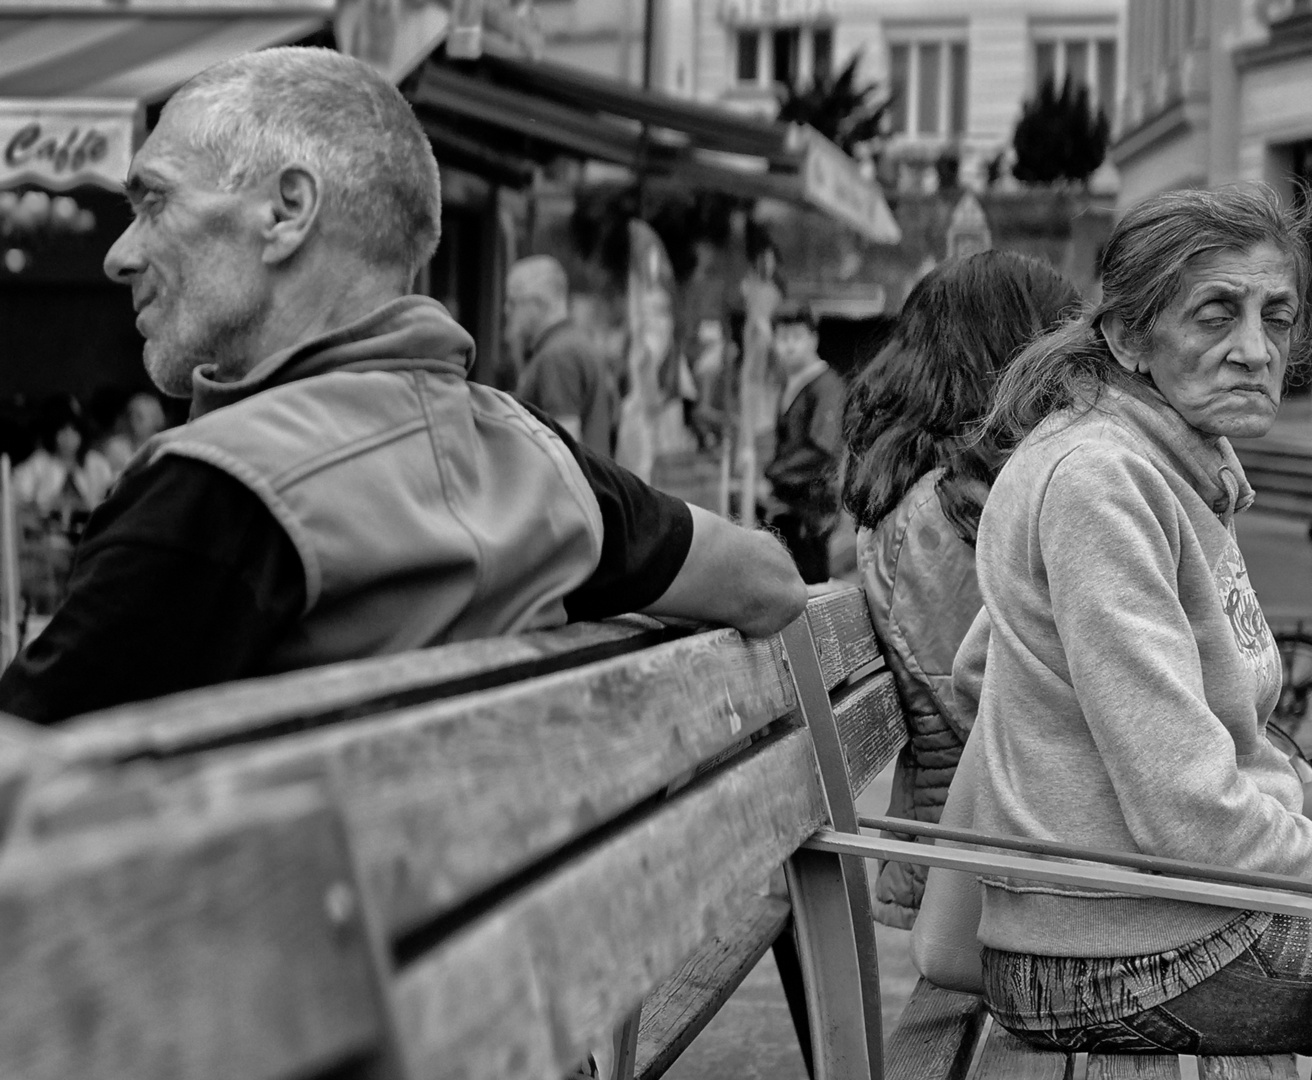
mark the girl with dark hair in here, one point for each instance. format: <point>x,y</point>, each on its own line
<point>915,480</point>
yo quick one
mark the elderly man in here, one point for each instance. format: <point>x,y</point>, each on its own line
<point>563,375</point>
<point>341,490</point>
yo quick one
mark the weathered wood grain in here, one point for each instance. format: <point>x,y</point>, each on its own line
<point>1006,1057</point>
<point>277,705</point>
<point>200,949</point>
<point>676,1011</point>
<point>871,728</point>
<point>1257,1067</point>
<point>844,637</point>
<point>936,1035</point>
<point>1134,1067</point>
<point>524,990</point>
<point>446,798</point>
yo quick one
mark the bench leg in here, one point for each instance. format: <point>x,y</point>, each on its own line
<point>843,1045</point>
<point>626,1046</point>
<point>790,974</point>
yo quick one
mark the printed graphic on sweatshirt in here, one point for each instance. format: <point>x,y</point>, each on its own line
<point>1252,634</point>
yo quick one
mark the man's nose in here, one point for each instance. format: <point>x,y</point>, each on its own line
<point>124,260</point>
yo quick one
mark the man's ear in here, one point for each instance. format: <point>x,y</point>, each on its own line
<point>295,203</point>
<point>1128,352</point>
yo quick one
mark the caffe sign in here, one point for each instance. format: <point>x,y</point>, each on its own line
<point>61,144</point>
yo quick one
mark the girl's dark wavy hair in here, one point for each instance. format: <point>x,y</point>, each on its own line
<point>915,405</point>
<point>1143,268</point>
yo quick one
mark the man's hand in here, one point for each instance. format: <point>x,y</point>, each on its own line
<point>736,577</point>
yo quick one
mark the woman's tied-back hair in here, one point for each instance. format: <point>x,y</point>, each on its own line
<point>277,107</point>
<point>1143,268</point>
<point>913,407</point>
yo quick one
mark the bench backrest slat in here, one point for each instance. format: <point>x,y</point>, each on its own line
<point>445,799</point>
<point>870,726</point>
<point>255,709</point>
<point>844,636</point>
<point>1257,1067</point>
<point>523,991</point>
<point>215,947</point>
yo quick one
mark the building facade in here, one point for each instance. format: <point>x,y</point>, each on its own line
<point>960,69</point>
<point>1217,91</point>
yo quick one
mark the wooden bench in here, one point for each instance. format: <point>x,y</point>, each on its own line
<point>483,860</point>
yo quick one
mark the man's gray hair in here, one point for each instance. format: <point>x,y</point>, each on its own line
<point>267,110</point>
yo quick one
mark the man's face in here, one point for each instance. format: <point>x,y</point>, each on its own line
<point>526,312</point>
<point>794,346</point>
<point>1218,351</point>
<point>193,258</point>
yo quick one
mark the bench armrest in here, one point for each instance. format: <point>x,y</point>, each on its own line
<point>1291,897</point>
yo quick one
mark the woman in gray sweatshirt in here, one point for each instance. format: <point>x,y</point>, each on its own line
<point>1128,672</point>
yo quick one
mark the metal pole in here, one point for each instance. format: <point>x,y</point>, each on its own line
<point>9,585</point>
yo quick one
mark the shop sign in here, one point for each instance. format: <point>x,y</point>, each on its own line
<point>774,12</point>
<point>832,182</point>
<point>393,36</point>
<point>60,144</point>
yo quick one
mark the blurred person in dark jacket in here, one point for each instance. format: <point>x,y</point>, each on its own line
<point>802,505</point>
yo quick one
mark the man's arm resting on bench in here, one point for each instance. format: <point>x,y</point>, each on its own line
<point>734,576</point>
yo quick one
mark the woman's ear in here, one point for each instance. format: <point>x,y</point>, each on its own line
<point>1128,352</point>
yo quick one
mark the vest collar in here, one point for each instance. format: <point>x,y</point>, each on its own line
<point>407,333</point>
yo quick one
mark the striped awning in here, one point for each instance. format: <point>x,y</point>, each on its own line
<point>74,81</point>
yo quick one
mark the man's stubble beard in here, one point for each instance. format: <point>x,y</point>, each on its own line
<point>223,346</point>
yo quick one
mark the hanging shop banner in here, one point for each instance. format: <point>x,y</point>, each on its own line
<point>61,143</point>
<point>394,36</point>
<point>832,181</point>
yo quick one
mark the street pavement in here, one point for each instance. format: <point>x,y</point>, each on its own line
<point>1279,557</point>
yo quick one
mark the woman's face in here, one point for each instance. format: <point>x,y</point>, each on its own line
<point>1219,349</point>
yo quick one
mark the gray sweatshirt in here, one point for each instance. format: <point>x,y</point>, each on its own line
<point>1129,675</point>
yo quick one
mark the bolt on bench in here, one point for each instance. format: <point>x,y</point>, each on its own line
<point>481,860</point>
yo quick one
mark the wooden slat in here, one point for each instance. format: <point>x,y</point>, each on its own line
<point>1134,1067</point>
<point>1005,1057</point>
<point>524,990</point>
<point>844,638</point>
<point>935,1036</point>
<point>871,728</point>
<point>225,947</point>
<point>446,799</point>
<point>1257,1067</point>
<point>676,1011</point>
<point>276,705</point>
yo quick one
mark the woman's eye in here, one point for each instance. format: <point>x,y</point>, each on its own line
<point>1214,315</point>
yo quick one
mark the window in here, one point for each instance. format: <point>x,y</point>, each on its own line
<point>748,54</point>
<point>1090,62</point>
<point>787,53</point>
<point>899,66</point>
<point>928,79</point>
<point>822,53</point>
<point>792,55</point>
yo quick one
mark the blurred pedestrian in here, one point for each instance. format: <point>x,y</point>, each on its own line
<point>915,482</point>
<point>563,374</point>
<point>141,418</point>
<point>802,476</point>
<point>63,478</point>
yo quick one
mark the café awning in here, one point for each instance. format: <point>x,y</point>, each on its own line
<point>75,78</point>
<point>499,115</point>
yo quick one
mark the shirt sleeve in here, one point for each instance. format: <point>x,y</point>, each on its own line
<point>1110,542</point>
<point>646,536</point>
<point>183,579</point>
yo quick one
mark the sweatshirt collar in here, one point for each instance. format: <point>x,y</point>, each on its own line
<point>1208,462</point>
<point>409,332</point>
